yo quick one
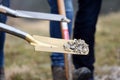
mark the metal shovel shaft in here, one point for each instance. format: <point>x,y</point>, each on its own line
<point>32,15</point>
<point>21,34</point>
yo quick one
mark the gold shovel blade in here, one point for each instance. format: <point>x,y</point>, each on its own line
<point>55,45</point>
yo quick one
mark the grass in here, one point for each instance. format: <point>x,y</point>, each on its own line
<point>107,40</point>
<point>23,63</point>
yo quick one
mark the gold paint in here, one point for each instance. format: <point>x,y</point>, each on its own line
<point>35,42</point>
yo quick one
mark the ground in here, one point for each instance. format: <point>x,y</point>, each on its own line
<point>23,63</point>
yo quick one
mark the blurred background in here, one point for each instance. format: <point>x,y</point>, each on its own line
<point>23,63</point>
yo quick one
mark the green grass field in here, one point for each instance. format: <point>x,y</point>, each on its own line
<point>23,63</point>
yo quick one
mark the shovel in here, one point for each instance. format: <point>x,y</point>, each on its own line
<point>32,15</point>
<point>48,44</point>
<point>65,35</point>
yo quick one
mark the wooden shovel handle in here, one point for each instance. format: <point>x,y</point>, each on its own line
<point>65,35</point>
<point>61,7</point>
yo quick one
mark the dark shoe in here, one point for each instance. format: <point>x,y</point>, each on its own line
<point>58,73</point>
<point>81,74</point>
<point>2,75</point>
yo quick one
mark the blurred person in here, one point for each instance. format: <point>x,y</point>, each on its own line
<point>3,19</point>
<point>84,28</point>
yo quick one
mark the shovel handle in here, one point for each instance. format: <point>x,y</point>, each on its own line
<point>17,32</point>
<point>8,11</point>
<point>12,30</point>
<point>65,35</point>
